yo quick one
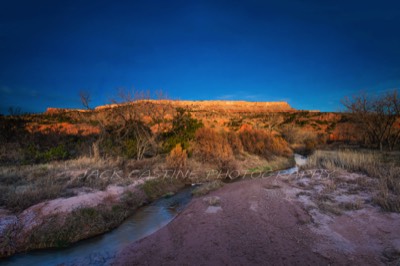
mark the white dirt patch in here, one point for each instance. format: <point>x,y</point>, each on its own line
<point>368,231</point>
<point>37,214</point>
<point>300,160</point>
<point>253,206</point>
<point>213,209</point>
<point>91,199</point>
<point>212,201</point>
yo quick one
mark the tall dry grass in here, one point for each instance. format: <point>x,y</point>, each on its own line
<point>177,158</point>
<point>371,163</point>
<point>212,147</point>
<point>263,143</point>
<point>366,162</point>
<point>234,142</point>
<point>24,186</point>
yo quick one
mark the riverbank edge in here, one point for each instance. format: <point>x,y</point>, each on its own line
<point>34,229</point>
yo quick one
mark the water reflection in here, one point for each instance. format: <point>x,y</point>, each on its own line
<point>300,160</point>
<point>100,250</point>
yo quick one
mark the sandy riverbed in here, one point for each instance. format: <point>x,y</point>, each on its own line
<point>276,221</point>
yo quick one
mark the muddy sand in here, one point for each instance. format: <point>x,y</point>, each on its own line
<point>281,220</point>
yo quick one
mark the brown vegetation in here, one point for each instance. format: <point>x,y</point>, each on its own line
<point>137,133</point>
<point>158,187</point>
<point>212,146</point>
<point>207,187</point>
<point>235,142</point>
<point>377,118</point>
<point>177,158</point>
<point>370,163</point>
<point>264,143</point>
<point>24,186</point>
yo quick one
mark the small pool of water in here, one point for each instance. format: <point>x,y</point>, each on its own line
<point>101,250</point>
<point>300,160</point>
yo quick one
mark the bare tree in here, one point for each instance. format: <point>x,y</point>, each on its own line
<point>377,117</point>
<point>129,122</point>
<point>393,101</point>
<point>15,110</point>
<point>272,120</point>
<point>85,99</point>
<point>160,111</point>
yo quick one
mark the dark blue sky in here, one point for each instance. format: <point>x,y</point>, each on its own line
<point>310,53</point>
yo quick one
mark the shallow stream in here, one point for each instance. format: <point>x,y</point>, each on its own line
<point>101,250</point>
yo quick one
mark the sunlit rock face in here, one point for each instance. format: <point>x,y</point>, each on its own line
<point>234,106</point>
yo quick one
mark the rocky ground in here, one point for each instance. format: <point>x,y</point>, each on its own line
<point>314,217</point>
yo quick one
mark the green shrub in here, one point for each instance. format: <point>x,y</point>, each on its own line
<point>129,148</point>
<point>56,153</point>
<point>33,154</point>
<point>182,132</point>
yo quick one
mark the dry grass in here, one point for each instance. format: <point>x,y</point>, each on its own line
<point>217,148</point>
<point>263,143</point>
<point>212,201</point>
<point>373,164</point>
<point>158,187</point>
<point>207,188</point>
<point>328,207</point>
<point>366,162</point>
<point>351,206</point>
<point>255,164</point>
<point>63,229</point>
<point>303,141</point>
<point>234,142</point>
<point>177,158</point>
<point>212,146</point>
<point>59,231</point>
<point>24,186</point>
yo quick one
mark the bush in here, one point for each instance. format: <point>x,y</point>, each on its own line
<point>177,158</point>
<point>302,140</point>
<point>34,154</point>
<point>264,144</point>
<point>158,187</point>
<point>56,153</point>
<point>132,139</point>
<point>212,146</point>
<point>234,142</point>
<point>129,148</point>
<point>296,135</point>
<point>310,146</point>
<point>11,129</point>
<point>182,132</point>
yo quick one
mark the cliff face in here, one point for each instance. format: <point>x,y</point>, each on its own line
<point>234,106</point>
<point>230,106</point>
<point>52,110</point>
<point>238,105</point>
